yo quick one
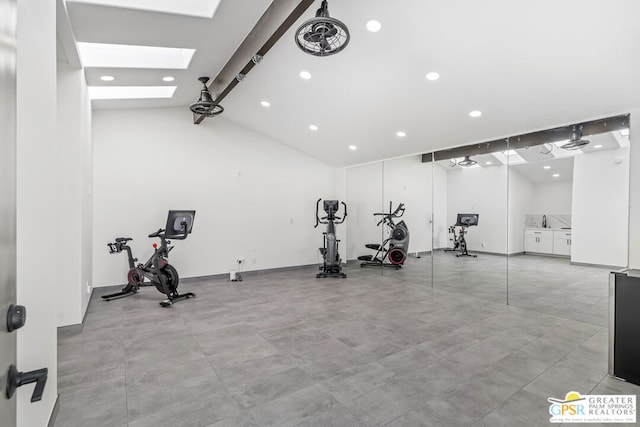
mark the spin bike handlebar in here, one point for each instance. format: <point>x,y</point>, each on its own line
<point>157,233</point>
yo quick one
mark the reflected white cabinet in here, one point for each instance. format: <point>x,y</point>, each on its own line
<point>562,242</point>
<point>540,241</point>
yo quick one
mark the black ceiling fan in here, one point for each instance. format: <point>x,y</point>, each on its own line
<point>575,140</point>
<point>205,106</point>
<point>322,35</point>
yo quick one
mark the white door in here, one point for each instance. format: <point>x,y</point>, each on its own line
<point>8,19</point>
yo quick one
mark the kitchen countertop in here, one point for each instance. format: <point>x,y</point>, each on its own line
<point>568,230</point>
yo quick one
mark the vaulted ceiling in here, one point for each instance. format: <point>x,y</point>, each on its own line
<point>525,65</point>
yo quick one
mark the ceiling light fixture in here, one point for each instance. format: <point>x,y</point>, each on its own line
<point>265,104</point>
<point>205,105</point>
<point>475,113</point>
<point>313,127</point>
<point>546,167</point>
<point>487,163</point>
<point>401,134</point>
<point>432,76</point>
<point>374,26</point>
<point>555,175</point>
<point>575,139</point>
<point>466,162</point>
<point>597,146</point>
<point>353,148</point>
<point>322,35</point>
<point>107,78</point>
<point>305,75</point>
<point>168,78</point>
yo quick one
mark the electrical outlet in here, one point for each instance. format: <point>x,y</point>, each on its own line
<point>88,287</point>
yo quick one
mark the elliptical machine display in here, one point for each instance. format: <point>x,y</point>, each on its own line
<point>332,265</point>
<point>156,271</point>
<point>395,247</point>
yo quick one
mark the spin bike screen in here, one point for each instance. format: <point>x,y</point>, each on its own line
<point>467,220</point>
<point>174,228</point>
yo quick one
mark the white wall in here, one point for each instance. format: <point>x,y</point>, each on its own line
<point>521,194</point>
<point>600,207</point>
<point>254,197</point>
<point>364,197</point>
<point>38,248</point>
<point>551,198</point>
<point>441,234</point>
<point>407,180</point>
<point>74,196</point>
<point>482,191</point>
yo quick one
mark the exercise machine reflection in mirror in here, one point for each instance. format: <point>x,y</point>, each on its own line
<point>463,221</point>
<point>156,271</point>
<point>395,247</point>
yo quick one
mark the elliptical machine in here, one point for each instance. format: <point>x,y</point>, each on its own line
<point>157,269</point>
<point>332,265</point>
<point>395,247</point>
<point>459,242</point>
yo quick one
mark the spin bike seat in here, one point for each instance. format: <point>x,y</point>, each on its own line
<point>123,239</point>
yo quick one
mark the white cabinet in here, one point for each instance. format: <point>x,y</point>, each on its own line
<point>539,241</point>
<point>562,242</point>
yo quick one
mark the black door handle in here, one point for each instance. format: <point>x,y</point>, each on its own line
<point>16,379</point>
<point>16,317</point>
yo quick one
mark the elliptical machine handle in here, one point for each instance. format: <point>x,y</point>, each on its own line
<point>317,217</point>
<point>345,213</point>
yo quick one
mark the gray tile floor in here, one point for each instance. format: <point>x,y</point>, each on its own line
<point>286,349</point>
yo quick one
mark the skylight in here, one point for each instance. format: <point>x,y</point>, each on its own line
<point>129,56</point>
<point>131,92</point>
<point>201,8</point>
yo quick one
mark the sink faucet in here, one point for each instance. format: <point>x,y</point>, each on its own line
<point>544,221</point>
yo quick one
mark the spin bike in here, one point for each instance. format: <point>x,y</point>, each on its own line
<point>332,265</point>
<point>156,271</point>
<point>459,241</point>
<point>395,247</point>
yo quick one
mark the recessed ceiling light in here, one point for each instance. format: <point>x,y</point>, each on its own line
<point>374,26</point>
<point>509,152</point>
<point>487,163</point>
<point>168,78</point>
<point>353,147</point>
<point>129,56</point>
<point>433,76</point>
<point>313,127</point>
<point>202,8</point>
<point>597,146</point>
<point>475,113</point>
<point>305,75</point>
<point>555,175</point>
<point>131,92</point>
<point>107,78</point>
<point>546,167</point>
<point>265,104</point>
<point>401,134</point>
<point>624,132</point>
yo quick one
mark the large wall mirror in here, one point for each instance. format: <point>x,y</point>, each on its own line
<point>381,188</point>
<point>569,202</point>
<point>470,219</point>
<point>535,221</point>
